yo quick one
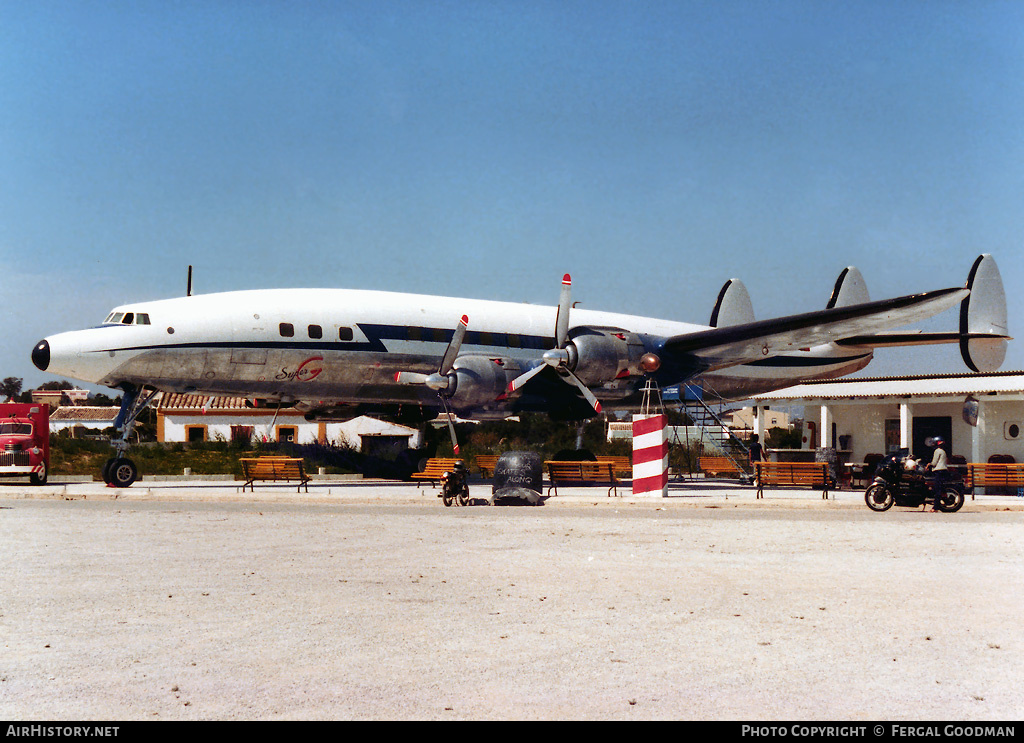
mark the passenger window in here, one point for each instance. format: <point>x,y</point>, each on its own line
<point>315,331</point>
<point>287,330</point>
<point>344,334</point>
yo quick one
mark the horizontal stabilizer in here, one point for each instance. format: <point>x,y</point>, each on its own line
<point>918,338</point>
<point>727,346</point>
<point>983,326</point>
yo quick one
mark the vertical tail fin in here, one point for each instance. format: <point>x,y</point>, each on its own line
<point>733,306</point>
<point>984,312</point>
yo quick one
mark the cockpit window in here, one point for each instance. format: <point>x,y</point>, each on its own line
<point>127,318</point>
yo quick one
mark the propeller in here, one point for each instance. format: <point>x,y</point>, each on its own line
<point>442,381</point>
<point>562,358</point>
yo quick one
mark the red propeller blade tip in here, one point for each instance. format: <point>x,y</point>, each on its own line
<point>567,279</point>
<point>465,320</point>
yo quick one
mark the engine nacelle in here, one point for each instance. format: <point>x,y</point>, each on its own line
<point>600,355</point>
<point>479,381</point>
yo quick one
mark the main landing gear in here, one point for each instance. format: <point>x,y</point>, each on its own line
<point>119,471</point>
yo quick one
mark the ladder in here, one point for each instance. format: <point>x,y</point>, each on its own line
<point>715,438</point>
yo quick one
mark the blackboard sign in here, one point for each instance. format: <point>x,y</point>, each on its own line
<point>518,479</point>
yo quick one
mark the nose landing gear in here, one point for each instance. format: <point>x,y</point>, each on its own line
<point>120,471</point>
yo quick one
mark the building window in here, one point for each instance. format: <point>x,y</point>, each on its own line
<point>289,434</point>
<point>195,434</point>
<point>242,434</point>
<point>287,330</point>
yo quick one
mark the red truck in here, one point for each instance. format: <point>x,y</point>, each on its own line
<point>25,441</point>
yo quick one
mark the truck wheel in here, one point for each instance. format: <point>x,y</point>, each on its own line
<point>123,473</point>
<point>38,478</point>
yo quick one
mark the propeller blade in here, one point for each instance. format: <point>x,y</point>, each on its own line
<point>562,319</point>
<point>455,440</point>
<point>591,398</point>
<point>453,348</point>
<point>410,378</point>
<point>522,379</point>
<point>451,424</point>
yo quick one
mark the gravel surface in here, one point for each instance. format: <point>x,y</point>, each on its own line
<point>374,602</point>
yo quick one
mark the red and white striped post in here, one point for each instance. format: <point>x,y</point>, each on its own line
<point>650,456</point>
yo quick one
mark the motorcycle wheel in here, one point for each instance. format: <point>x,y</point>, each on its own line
<point>464,497</point>
<point>952,500</point>
<point>447,498</point>
<point>878,498</point>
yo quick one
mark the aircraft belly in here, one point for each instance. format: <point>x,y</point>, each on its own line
<point>166,369</point>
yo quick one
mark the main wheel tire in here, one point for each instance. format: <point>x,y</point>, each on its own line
<point>123,473</point>
<point>105,472</point>
<point>952,500</point>
<point>878,498</point>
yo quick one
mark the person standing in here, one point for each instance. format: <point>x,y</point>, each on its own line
<point>939,469</point>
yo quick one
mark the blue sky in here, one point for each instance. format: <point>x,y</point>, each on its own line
<point>651,149</point>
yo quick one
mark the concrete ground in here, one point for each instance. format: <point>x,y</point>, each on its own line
<point>187,600</point>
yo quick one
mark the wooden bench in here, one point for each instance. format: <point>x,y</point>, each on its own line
<point>718,466</point>
<point>274,469</point>
<point>793,474</point>
<point>1008,478</point>
<point>486,464</point>
<point>623,466</point>
<point>581,473</point>
<point>434,468</point>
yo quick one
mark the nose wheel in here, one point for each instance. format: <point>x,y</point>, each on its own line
<point>120,472</point>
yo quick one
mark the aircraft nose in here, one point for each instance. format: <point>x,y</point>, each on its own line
<point>41,355</point>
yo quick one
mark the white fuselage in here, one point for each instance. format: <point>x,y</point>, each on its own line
<point>335,346</point>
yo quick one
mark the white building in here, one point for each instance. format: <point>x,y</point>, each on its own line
<point>79,419</point>
<point>979,415</point>
<point>184,418</point>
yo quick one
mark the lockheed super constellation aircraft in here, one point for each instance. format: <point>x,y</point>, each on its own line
<point>341,353</point>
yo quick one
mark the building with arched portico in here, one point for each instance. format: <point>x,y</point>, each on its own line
<point>979,415</point>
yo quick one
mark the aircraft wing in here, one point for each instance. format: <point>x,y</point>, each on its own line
<point>718,348</point>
